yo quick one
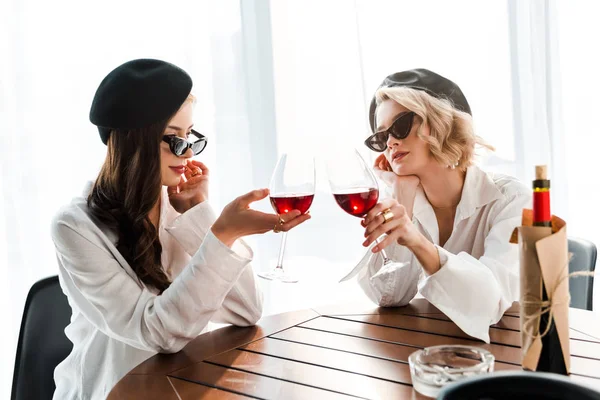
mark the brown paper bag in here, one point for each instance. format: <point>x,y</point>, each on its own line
<point>544,300</point>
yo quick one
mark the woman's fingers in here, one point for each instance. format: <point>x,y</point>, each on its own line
<point>388,227</point>
<point>383,243</point>
<point>398,212</point>
<point>192,172</point>
<point>246,199</point>
<point>379,208</point>
<point>200,165</point>
<point>294,222</point>
<point>378,160</point>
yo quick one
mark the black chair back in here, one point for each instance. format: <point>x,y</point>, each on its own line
<point>42,341</point>
<point>583,259</point>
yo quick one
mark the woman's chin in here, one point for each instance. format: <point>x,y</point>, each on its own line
<point>401,170</point>
<point>170,181</point>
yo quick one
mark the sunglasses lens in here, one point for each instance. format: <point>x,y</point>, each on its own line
<point>401,127</point>
<point>377,142</point>
<point>180,147</point>
<point>198,146</point>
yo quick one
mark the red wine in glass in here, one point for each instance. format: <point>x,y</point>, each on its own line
<point>357,202</point>
<point>292,188</point>
<point>287,203</point>
<point>353,185</point>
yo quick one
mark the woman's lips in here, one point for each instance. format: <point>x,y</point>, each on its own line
<point>399,156</point>
<point>179,170</point>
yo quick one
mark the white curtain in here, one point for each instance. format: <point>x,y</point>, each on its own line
<point>577,31</point>
<point>53,56</point>
<point>271,76</point>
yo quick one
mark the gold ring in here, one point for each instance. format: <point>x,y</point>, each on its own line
<point>278,224</point>
<point>195,172</point>
<point>387,215</point>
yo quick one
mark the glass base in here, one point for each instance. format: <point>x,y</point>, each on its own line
<point>278,274</point>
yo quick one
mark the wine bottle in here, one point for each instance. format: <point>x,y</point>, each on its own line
<point>551,358</point>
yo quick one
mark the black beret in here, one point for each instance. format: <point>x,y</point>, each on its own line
<point>137,94</point>
<point>430,82</point>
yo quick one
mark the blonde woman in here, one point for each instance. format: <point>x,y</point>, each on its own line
<point>143,259</point>
<point>448,223</point>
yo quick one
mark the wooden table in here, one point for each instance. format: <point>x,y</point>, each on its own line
<point>334,352</point>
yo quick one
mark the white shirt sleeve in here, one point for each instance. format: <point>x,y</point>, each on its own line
<point>244,303</point>
<point>390,285</point>
<point>475,293</point>
<point>99,287</point>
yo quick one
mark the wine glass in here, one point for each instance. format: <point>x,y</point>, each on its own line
<point>292,188</point>
<point>354,187</point>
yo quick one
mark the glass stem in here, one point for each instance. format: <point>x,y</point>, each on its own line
<point>281,251</point>
<point>386,260</point>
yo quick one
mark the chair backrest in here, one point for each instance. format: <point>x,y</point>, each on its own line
<point>583,259</point>
<point>42,341</point>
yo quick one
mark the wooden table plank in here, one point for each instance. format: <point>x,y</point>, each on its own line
<point>445,328</point>
<point>417,339</point>
<point>192,391</point>
<point>218,341</point>
<point>576,335</point>
<point>416,306</point>
<point>334,359</point>
<point>253,385</point>
<point>581,348</point>
<point>144,387</point>
<point>585,366</point>
<point>372,348</point>
<point>584,321</point>
<point>579,365</point>
<point>312,375</point>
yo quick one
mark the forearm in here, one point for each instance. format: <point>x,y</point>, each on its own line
<point>427,255</point>
<point>406,197</point>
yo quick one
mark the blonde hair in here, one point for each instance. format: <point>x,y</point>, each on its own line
<point>191,98</point>
<point>452,140</point>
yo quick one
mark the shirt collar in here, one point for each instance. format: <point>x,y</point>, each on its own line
<point>478,190</point>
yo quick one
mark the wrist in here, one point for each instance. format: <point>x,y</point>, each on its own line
<point>427,254</point>
<point>222,234</point>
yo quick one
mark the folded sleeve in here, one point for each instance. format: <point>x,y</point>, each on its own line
<point>191,227</point>
<point>244,303</point>
<point>473,292</point>
<point>117,305</point>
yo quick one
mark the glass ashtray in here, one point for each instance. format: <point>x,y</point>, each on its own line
<point>434,367</point>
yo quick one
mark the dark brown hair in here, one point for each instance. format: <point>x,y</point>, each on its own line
<point>126,190</point>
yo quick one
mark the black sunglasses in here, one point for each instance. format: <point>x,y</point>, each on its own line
<point>179,145</point>
<point>400,129</point>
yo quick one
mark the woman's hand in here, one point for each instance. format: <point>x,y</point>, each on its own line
<point>191,190</point>
<point>399,226</point>
<point>404,187</point>
<point>383,170</point>
<point>238,219</point>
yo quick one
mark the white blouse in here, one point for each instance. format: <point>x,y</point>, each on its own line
<point>117,321</point>
<point>479,275</point>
